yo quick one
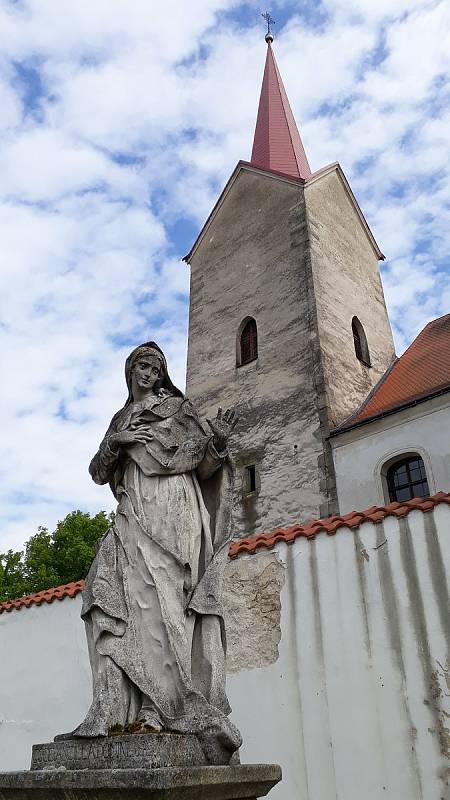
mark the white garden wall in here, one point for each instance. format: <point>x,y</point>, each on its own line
<point>45,677</point>
<point>354,706</point>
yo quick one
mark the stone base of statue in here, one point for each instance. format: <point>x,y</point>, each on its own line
<point>135,767</point>
<point>134,751</point>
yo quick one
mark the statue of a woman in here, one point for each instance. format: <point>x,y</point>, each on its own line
<point>152,603</point>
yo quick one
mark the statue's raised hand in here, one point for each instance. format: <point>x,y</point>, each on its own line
<point>221,427</point>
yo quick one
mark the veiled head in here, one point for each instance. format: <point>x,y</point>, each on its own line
<point>151,353</point>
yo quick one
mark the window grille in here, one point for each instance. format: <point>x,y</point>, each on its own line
<point>407,479</point>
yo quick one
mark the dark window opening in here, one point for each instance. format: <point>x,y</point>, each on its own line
<point>357,343</point>
<point>407,479</point>
<point>251,478</point>
<point>249,342</point>
<point>360,342</point>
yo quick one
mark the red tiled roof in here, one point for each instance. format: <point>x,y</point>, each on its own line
<point>267,540</point>
<point>422,370</point>
<point>46,596</point>
<point>277,145</point>
<point>352,520</point>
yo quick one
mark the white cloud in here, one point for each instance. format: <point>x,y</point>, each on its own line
<point>10,105</point>
<point>41,164</point>
<point>138,117</point>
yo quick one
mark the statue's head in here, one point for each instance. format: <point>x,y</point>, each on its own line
<point>147,363</point>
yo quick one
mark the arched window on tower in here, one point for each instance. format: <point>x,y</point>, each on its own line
<point>360,342</point>
<point>247,342</point>
<point>406,478</point>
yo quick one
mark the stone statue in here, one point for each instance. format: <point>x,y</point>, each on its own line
<point>152,603</point>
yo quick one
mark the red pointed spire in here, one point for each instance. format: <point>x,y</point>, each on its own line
<point>277,145</point>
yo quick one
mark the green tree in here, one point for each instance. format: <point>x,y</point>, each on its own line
<point>12,580</point>
<point>39,569</point>
<point>52,559</point>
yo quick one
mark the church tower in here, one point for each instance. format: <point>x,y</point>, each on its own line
<point>288,323</point>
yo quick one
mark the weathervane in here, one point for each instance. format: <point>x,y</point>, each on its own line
<point>269,35</point>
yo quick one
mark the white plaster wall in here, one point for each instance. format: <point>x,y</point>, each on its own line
<point>360,454</point>
<point>45,678</point>
<point>355,706</point>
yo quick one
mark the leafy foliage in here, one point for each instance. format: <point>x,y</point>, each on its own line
<point>12,581</point>
<point>51,559</point>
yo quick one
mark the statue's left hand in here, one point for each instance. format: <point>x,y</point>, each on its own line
<point>221,427</point>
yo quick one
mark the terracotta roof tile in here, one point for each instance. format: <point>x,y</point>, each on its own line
<point>46,596</point>
<point>266,540</point>
<point>329,526</point>
<point>422,370</point>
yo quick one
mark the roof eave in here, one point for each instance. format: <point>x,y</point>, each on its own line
<point>389,411</point>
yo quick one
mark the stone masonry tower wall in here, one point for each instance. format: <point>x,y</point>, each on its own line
<point>253,260</point>
<point>290,249</point>
<point>347,284</point>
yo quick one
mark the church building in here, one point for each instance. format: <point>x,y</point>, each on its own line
<point>288,325</point>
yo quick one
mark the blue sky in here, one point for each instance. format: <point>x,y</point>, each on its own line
<point>120,124</point>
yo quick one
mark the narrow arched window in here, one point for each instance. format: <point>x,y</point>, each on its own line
<point>360,342</point>
<point>406,478</point>
<point>247,342</point>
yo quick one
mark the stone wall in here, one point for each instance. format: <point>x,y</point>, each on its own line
<point>347,283</point>
<point>252,593</point>
<point>253,261</point>
<point>300,261</point>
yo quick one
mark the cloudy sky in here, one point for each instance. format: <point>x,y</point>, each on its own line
<point>120,122</point>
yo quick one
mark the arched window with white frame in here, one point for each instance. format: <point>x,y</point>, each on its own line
<point>405,478</point>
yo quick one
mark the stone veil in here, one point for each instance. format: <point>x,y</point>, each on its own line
<point>152,604</point>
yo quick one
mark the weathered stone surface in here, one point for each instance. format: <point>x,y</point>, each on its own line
<point>196,783</point>
<point>252,262</point>
<point>347,283</point>
<point>252,610</point>
<point>140,751</point>
<point>152,598</point>
<point>299,260</point>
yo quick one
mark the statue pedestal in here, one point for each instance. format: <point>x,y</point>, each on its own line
<point>249,781</point>
<point>135,751</point>
<point>137,767</point>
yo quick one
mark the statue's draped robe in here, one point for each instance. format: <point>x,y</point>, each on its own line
<point>152,603</point>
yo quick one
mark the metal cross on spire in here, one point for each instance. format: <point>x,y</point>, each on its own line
<point>270,21</point>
